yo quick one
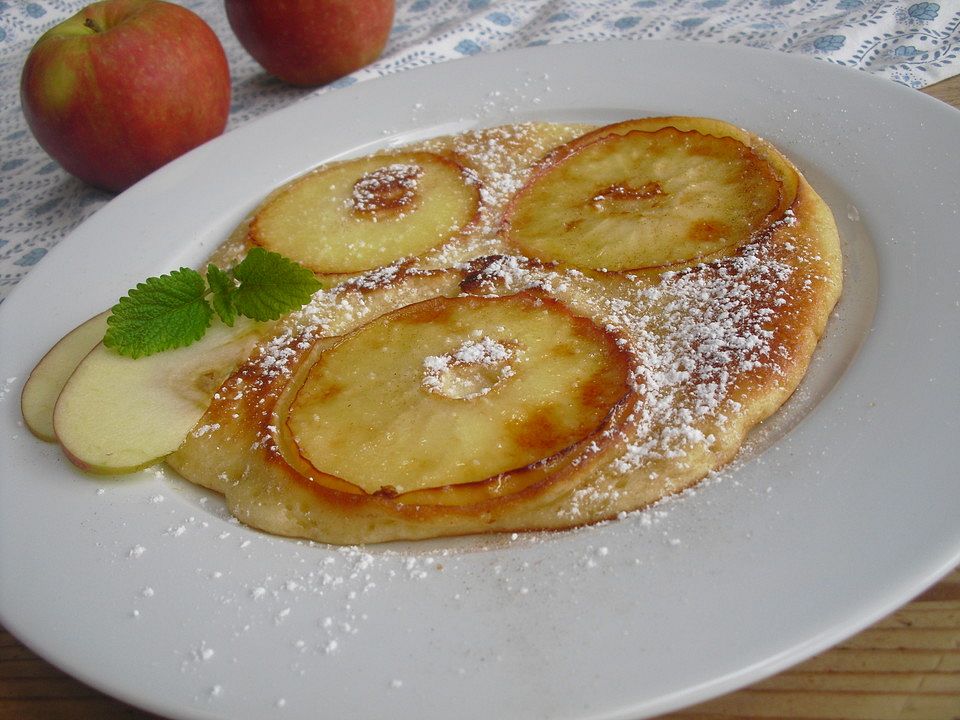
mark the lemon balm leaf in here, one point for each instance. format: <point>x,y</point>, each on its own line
<point>271,285</point>
<point>222,290</point>
<point>175,310</point>
<point>159,314</point>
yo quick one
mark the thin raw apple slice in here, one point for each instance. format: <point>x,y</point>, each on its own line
<point>365,213</point>
<point>116,414</point>
<point>47,379</point>
<point>644,199</point>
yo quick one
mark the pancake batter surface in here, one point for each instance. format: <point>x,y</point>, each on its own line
<point>534,326</point>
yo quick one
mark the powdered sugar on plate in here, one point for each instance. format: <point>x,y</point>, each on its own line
<point>319,601</point>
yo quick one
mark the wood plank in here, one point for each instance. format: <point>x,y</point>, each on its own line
<point>752,703</point>
<point>878,683</point>
<point>846,659</point>
<point>98,708</point>
<point>929,616</point>
<point>907,638</point>
<point>947,90</point>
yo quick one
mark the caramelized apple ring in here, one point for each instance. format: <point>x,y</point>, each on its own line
<point>368,212</point>
<point>644,199</point>
<point>452,391</point>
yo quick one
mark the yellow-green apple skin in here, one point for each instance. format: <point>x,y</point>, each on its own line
<point>311,42</point>
<point>40,392</point>
<point>123,87</point>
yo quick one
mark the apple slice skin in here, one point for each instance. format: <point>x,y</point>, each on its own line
<point>46,380</point>
<point>118,415</point>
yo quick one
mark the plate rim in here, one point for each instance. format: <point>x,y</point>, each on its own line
<point>934,569</point>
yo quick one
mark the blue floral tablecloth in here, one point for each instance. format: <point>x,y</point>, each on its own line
<point>914,43</point>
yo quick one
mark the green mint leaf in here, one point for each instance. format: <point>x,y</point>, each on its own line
<point>222,288</point>
<point>271,285</point>
<point>172,310</point>
<point>161,313</point>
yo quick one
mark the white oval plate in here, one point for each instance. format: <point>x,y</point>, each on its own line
<point>843,508</point>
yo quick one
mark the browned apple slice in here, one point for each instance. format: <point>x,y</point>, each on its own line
<point>456,390</point>
<point>786,173</point>
<point>644,199</point>
<point>365,213</point>
<point>43,387</point>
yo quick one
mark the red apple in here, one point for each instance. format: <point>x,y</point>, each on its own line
<point>311,42</point>
<point>123,87</point>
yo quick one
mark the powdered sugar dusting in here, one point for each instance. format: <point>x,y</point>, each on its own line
<point>712,325</point>
<point>473,369</point>
<point>389,187</point>
<point>5,387</point>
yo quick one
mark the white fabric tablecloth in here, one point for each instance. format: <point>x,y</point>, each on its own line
<point>914,43</point>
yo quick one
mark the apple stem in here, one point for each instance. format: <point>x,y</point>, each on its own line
<point>92,24</point>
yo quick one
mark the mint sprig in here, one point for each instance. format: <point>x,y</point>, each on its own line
<point>223,288</point>
<point>175,310</point>
<point>159,314</point>
<point>270,285</point>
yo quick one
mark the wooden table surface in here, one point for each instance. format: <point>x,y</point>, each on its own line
<point>905,667</point>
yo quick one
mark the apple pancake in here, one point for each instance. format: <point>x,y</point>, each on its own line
<point>621,307</point>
